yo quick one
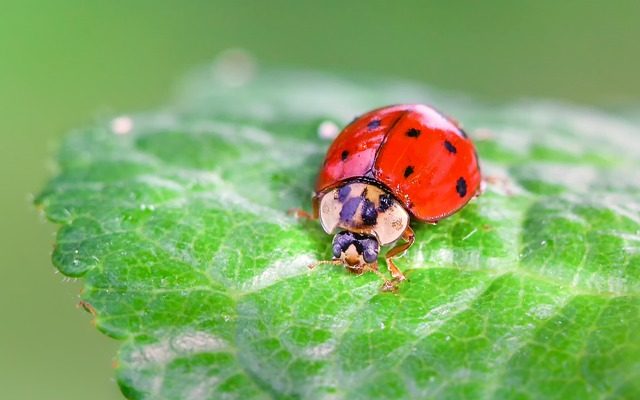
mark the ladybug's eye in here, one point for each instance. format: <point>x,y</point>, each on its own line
<point>341,241</point>
<point>370,255</point>
<point>337,250</point>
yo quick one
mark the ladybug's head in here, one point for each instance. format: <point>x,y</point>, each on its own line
<point>355,249</point>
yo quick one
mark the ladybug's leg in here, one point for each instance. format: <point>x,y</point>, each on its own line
<point>300,213</point>
<point>388,285</point>
<point>409,237</point>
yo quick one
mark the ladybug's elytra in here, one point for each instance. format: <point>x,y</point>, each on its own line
<point>390,166</point>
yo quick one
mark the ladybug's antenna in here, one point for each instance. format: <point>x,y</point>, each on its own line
<point>388,286</point>
<point>315,264</point>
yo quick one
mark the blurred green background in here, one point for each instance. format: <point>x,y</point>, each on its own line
<point>63,63</point>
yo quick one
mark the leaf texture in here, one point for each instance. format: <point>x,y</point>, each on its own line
<point>176,220</point>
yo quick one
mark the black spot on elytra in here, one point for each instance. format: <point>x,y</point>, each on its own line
<point>413,132</point>
<point>344,155</point>
<point>386,201</point>
<point>374,124</point>
<point>461,187</point>
<point>343,193</point>
<point>369,213</point>
<point>450,147</point>
<point>408,171</point>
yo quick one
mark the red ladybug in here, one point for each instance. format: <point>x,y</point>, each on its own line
<point>387,167</point>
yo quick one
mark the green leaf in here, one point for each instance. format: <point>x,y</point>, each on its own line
<point>176,221</point>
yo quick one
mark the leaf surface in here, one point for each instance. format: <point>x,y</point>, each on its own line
<point>176,221</point>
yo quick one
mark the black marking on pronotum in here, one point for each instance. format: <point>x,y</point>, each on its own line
<point>450,147</point>
<point>413,132</point>
<point>364,192</point>
<point>461,187</point>
<point>369,213</point>
<point>344,155</point>
<point>464,134</point>
<point>343,193</point>
<point>386,201</point>
<point>408,171</point>
<point>349,208</point>
<point>374,124</point>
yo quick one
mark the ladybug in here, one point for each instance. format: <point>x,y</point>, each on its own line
<point>386,168</point>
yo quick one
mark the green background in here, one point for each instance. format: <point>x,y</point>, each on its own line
<point>63,63</point>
